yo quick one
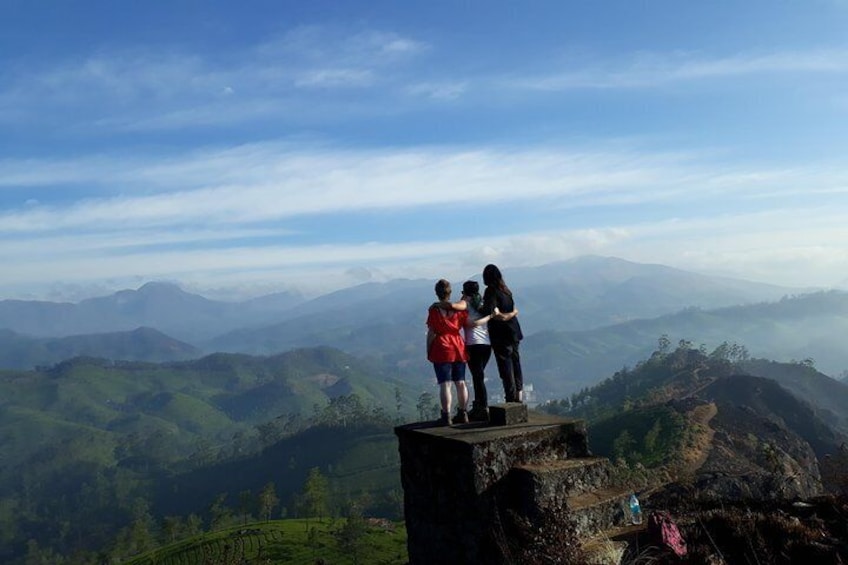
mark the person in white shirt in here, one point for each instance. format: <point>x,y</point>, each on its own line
<point>478,347</point>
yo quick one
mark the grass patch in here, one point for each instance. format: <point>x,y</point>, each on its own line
<point>296,541</point>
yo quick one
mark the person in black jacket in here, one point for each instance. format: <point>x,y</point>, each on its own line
<point>505,334</point>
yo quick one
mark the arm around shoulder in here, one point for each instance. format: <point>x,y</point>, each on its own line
<point>498,315</point>
<point>478,322</point>
<point>459,305</point>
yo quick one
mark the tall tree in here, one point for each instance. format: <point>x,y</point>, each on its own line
<point>193,525</point>
<point>41,556</point>
<point>141,537</point>
<point>268,500</point>
<point>219,512</point>
<point>171,527</point>
<point>425,405</point>
<point>623,445</point>
<point>398,402</point>
<point>316,493</point>
<point>351,536</point>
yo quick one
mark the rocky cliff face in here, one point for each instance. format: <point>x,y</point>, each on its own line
<point>766,443</point>
<point>527,492</point>
<point>531,492</point>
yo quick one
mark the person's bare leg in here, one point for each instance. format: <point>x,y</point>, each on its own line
<point>445,396</point>
<point>461,395</point>
<point>461,402</point>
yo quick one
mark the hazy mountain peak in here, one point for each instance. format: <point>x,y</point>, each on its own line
<point>159,287</point>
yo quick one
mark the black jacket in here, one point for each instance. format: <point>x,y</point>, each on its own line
<point>500,332</point>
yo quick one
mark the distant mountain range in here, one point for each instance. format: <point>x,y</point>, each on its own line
<point>142,344</point>
<point>576,295</point>
<point>807,327</point>
<point>162,306</point>
<point>579,294</point>
<point>583,319</point>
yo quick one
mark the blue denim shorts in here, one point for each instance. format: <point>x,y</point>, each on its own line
<point>446,372</point>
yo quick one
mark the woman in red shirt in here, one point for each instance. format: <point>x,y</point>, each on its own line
<point>446,350</point>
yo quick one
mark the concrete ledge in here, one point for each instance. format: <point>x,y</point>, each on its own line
<point>551,482</point>
<point>507,414</point>
<point>456,481</point>
<point>597,511</point>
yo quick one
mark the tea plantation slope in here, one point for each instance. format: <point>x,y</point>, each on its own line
<point>292,542</point>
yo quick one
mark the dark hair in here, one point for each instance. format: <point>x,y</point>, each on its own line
<point>443,289</point>
<point>471,289</point>
<point>493,278</point>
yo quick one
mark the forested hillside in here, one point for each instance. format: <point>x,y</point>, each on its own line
<point>806,328</point>
<point>687,413</point>
<point>143,344</point>
<point>98,442</point>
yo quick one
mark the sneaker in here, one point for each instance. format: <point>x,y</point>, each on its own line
<point>479,414</point>
<point>445,419</point>
<point>461,416</point>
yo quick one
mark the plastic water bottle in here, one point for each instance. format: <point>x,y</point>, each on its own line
<point>635,510</point>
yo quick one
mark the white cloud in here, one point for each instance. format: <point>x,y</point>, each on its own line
<point>342,46</point>
<point>801,247</point>
<point>652,70</point>
<point>149,88</point>
<point>262,183</point>
<point>214,234</point>
<point>439,90</point>
<point>335,78</point>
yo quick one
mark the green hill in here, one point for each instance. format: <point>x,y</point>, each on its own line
<point>569,343</point>
<point>795,328</point>
<point>210,399</point>
<point>90,439</point>
<point>142,344</point>
<point>287,541</point>
<point>688,414</point>
<point>357,458</point>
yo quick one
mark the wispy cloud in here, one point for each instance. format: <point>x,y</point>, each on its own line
<point>341,46</point>
<point>165,89</point>
<point>439,90</point>
<point>260,183</point>
<point>270,182</point>
<point>652,70</point>
<point>211,213</point>
<point>334,78</point>
<point>345,196</point>
<point>302,76</point>
<point>775,246</point>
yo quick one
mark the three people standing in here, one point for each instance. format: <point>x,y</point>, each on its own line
<point>490,325</point>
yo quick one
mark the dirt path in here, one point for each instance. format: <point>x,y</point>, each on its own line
<point>696,456</point>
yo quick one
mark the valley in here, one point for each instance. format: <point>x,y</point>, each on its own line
<point>135,437</point>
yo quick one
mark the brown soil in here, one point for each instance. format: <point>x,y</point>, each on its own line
<point>702,437</point>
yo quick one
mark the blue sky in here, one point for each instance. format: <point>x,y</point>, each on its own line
<point>244,148</point>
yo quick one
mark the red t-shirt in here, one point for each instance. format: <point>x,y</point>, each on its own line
<point>448,346</point>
